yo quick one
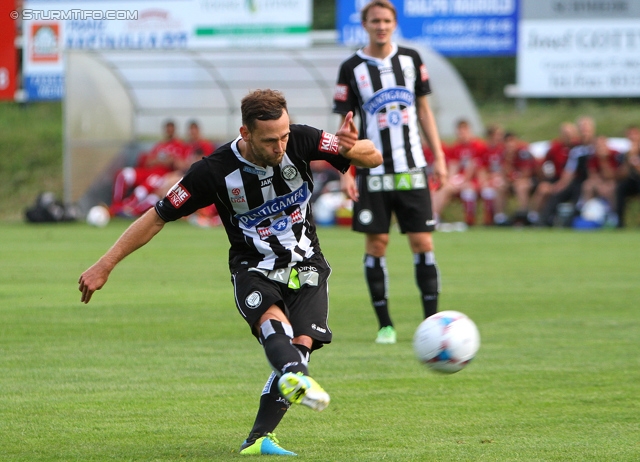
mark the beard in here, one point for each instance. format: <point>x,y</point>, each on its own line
<point>263,157</point>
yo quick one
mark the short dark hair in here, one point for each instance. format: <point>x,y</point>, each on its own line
<point>382,4</point>
<point>462,123</point>
<point>262,105</point>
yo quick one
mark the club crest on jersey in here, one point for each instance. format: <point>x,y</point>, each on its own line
<point>280,225</point>
<point>381,98</point>
<point>178,195</point>
<point>274,207</point>
<point>409,73</point>
<point>253,300</point>
<point>328,143</point>
<point>289,172</point>
<point>341,93</point>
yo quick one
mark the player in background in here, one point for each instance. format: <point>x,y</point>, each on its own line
<point>197,147</point>
<point>519,172</point>
<point>549,170</point>
<point>387,86</point>
<point>261,183</point>
<point>155,185</point>
<point>569,187</point>
<point>464,159</point>
<point>602,172</point>
<point>132,185</point>
<point>629,179</point>
<point>492,180</point>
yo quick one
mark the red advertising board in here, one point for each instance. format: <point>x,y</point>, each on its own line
<point>8,56</point>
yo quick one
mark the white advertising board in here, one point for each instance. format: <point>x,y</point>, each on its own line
<point>579,48</point>
<point>51,26</point>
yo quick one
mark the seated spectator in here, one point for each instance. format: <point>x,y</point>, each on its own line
<point>491,177</point>
<point>519,169</point>
<point>548,171</point>
<point>602,170</point>
<point>133,184</point>
<point>569,187</point>
<point>628,183</point>
<point>463,158</point>
<point>197,146</point>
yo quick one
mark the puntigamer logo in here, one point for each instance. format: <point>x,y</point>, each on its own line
<point>273,207</point>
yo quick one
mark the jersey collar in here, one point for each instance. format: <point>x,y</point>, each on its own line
<point>259,170</point>
<point>378,61</point>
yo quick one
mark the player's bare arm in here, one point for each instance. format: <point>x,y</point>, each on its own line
<point>135,236</point>
<point>430,129</point>
<point>362,153</point>
<point>348,186</point>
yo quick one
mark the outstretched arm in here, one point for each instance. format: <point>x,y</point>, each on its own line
<point>430,130</point>
<point>135,236</point>
<point>361,153</point>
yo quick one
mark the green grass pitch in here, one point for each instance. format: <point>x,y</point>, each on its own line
<point>160,367</point>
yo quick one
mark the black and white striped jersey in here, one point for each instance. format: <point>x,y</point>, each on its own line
<point>383,92</point>
<point>265,211</point>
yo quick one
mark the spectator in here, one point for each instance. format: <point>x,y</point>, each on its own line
<point>519,169</point>
<point>197,146</point>
<point>491,177</point>
<point>132,185</point>
<point>629,180</point>
<point>569,187</point>
<point>601,173</point>
<point>464,158</point>
<point>549,170</point>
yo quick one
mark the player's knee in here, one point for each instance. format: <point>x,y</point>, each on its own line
<point>128,174</point>
<point>273,327</point>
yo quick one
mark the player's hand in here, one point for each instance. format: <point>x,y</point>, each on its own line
<point>440,171</point>
<point>91,280</point>
<point>349,187</point>
<point>347,134</point>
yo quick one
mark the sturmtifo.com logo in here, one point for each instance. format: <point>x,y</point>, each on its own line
<point>75,15</point>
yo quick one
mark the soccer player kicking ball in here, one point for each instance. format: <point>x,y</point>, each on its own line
<point>261,184</point>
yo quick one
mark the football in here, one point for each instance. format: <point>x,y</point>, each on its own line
<point>98,216</point>
<point>447,341</point>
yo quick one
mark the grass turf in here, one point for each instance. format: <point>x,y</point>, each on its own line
<point>160,367</point>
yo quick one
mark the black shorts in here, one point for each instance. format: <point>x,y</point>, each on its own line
<point>407,195</point>
<point>307,307</point>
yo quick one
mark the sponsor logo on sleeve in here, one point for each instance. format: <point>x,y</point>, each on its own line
<point>328,143</point>
<point>341,93</point>
<point>178,195</point>
<point>424,74</point>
